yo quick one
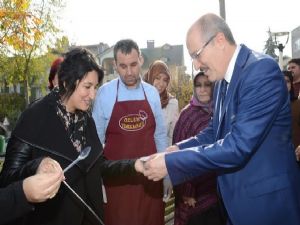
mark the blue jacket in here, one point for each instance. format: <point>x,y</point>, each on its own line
<point>250,147</point>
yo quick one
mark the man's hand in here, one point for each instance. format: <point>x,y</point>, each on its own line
<point>172,148</point>
<point>155,167</point>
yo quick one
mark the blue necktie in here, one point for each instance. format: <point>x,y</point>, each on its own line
<point>223,91</point>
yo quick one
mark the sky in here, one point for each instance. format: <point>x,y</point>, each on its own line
<point>167,21</point>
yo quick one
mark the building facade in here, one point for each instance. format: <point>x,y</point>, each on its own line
<point>296,42</point>
<point>172,55</point>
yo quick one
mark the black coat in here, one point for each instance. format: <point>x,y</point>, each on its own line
<point>13,202</point>
<point>40,133</point>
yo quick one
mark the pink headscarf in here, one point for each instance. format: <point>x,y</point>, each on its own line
<point>156,68</point>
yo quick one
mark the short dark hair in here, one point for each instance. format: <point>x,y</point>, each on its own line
<point>125,46</point>
<point>295,60</point>
<point>76,64</point>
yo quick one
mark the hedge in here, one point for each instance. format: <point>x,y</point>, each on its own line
<point>11,106</point>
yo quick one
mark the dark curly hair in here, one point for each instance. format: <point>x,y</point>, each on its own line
<point>295,60</point>
<point>75,66</point>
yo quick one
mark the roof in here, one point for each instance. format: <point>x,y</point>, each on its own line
<point>170,54</point>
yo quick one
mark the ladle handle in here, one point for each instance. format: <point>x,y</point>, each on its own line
<point>83,202</point>
<point>71,165</point>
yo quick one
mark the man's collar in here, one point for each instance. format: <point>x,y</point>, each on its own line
<point>231,65</point>
<point>125,86</point>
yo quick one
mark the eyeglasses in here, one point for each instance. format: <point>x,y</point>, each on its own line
<point>197,54</point>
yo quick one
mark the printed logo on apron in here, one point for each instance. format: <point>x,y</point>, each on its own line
<point>133,122</point>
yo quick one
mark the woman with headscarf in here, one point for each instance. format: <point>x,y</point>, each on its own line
<point>196,201</point>
<point>159,76</point>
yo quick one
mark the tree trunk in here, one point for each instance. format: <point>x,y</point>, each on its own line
<point>26,92</point>
<point>26,88</point>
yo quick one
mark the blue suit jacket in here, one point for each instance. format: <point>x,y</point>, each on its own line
<point>250,147</point>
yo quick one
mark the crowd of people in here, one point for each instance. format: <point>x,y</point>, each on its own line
<point>229,156</point>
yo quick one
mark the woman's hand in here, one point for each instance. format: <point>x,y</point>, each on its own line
<point>42,186</point>
<point>191,202</point>
<point>49,165</point>
<point>139,166</point>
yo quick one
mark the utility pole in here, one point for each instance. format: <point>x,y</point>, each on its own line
<point>284,36</point>
<point>222,9</point>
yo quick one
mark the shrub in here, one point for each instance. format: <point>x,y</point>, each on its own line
<point>11,106</point>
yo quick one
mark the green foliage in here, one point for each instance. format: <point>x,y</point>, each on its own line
<point>28,29</point>
<point>11,106</point>
<point>61,46</point>
<point>38,67</point>
<point>183,90</point>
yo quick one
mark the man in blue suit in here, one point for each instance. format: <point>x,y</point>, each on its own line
<point>248,142</point>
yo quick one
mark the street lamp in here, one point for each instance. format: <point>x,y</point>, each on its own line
<point>279,38</point>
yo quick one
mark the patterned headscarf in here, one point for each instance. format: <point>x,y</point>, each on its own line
<point>156,68</point>
<point>195,101</point>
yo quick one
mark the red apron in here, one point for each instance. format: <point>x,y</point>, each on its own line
<point>130,134</point>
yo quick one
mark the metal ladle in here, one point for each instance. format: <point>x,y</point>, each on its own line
<point>83,154</point>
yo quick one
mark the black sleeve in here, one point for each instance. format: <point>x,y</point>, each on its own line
<point>18,162</point>
<point>110,168</point>
<point>13,202</point>
<point>114,168</point>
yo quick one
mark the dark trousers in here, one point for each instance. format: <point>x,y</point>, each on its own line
<point>212,216</point>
